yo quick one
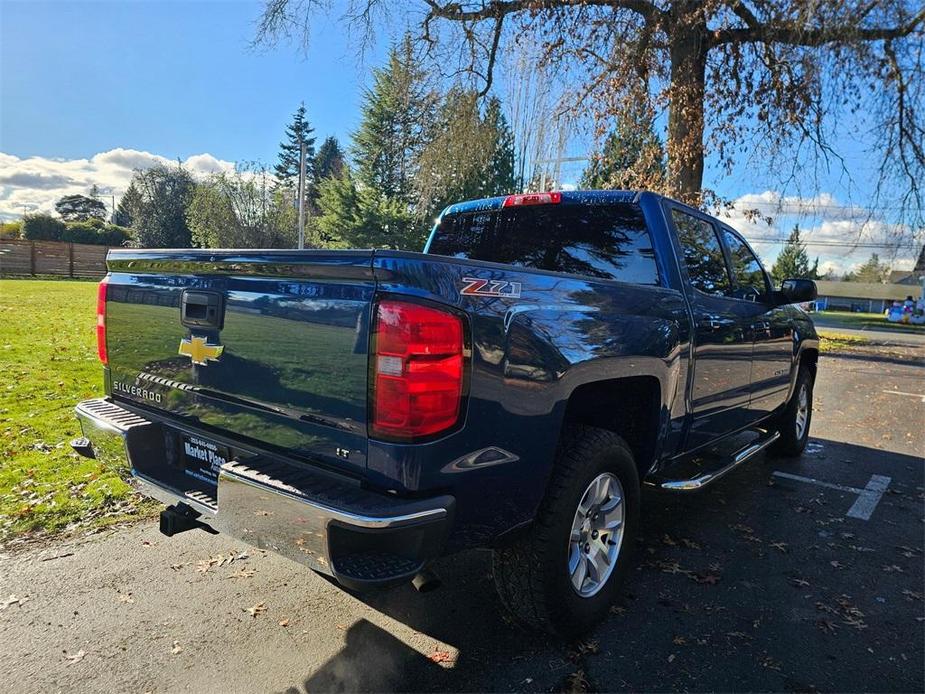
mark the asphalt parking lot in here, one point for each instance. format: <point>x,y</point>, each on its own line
<point>794,575</point>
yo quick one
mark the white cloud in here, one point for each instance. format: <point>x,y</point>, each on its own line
<point>33,184</point>
<point>842,236</point>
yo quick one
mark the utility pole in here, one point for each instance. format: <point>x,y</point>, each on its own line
<point>301,194</point>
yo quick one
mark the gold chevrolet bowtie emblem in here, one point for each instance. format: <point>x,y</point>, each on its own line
<point>198,349</point>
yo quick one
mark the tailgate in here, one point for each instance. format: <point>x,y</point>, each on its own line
<point>264,346</point>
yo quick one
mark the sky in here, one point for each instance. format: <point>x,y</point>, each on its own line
<point>90,91</point>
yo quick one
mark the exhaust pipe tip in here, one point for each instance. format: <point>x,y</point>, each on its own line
<point>426,581</point>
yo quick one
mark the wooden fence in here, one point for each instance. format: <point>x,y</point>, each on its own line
<point>21,257</point>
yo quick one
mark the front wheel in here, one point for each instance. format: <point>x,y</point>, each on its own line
<point>793,423</point>
<point>564,574</point>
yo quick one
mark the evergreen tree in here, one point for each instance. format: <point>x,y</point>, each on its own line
<point>469,154</point>
<point>501,162</point>
<point>792,262</point>
<point>357,216</point>
<point>631,158</point>
<point>872,271</point>
<point>329,162</point>
<point>387,144</point>
<point>80,208</point>
<point>290,149</point>
<point>128,206</point>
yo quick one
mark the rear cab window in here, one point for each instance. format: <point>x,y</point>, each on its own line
<point>600,241</point>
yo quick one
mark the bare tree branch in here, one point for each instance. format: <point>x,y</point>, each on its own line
<point>794,34</point>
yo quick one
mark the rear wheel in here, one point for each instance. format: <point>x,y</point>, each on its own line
<point>564,574</point>
<point>793,423</point>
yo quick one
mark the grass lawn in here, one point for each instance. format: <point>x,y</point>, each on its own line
<point>863,321</point>
<point>48,363</point>
<point>835,342</point>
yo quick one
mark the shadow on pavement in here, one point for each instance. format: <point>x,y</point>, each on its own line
<point>735,588</point>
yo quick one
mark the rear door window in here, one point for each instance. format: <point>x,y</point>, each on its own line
<point>703,254</point>
<point>600,241</point>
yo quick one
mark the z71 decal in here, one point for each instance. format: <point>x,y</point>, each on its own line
<point>499,288</point>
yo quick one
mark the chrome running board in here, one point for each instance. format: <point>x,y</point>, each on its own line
<point>701,481</point>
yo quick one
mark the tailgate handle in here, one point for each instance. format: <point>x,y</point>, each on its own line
<point>202,309</point>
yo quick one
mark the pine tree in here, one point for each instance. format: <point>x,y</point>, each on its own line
<point>395,110</point>
<point>872,271</point>
<point>329,162</point>
<point>128,206</point>
<point>287,169</point>
<point>501,166</point>
<point>792,262</point>
<point>468,155</point>
<point>80,208</point>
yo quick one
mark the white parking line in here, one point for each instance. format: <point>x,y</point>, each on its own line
<point>910,395</point>
<point>867,500</point>
<point>869,497</point>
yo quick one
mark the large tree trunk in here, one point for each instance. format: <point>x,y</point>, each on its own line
<point>688,51</point>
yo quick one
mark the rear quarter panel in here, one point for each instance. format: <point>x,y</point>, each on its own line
<point>529,353</point>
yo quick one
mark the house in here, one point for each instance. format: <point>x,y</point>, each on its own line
<point>910,277</point>
<point>866,297</point>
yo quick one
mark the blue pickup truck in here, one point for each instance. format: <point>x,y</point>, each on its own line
<point>513,387</point>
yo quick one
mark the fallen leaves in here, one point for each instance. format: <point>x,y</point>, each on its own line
<point>780,546</point>
<point>76,657</point>
<point>257,609</point>
<point>893,568</point>
<point>587,647</point>
<point>14,600</point>
<point>219,560</point>
<point>126,598</point>
<point>707,577</point>
<point>284,622</point>
<point>577,683</point>
<point>439,656</point>
<point>177,648</point>
<point>241,573</point>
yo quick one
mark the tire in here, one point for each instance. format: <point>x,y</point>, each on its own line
<point>794,422</point>
<point>533,574</point>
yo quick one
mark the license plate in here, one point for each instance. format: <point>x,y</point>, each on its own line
<point>202,459</point>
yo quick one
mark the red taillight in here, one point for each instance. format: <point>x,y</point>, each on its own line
<point>417,370</point>
<point>532,199</point>
<point>101,322</point>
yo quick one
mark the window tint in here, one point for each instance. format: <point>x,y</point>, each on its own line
<point>703,254</point>
<point>603,241</point>
<point>747,273</point>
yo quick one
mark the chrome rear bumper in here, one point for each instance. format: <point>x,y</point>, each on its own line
<point>334,526</point>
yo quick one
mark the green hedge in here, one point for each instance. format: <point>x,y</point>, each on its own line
<point>44,227</point>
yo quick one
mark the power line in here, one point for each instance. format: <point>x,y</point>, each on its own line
<point>841,244</point>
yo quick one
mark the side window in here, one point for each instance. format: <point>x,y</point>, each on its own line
<point>747,273</point>
<point>703,254</point>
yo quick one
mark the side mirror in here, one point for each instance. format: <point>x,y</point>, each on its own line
<point>793,291</point>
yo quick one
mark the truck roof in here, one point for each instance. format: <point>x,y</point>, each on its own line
<point>590,197</point>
